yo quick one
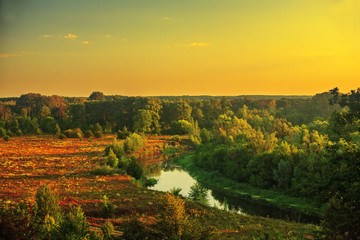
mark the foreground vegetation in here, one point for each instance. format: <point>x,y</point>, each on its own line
<point>113,198</point>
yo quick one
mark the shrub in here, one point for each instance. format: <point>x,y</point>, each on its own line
<point>135,230</point>
<point>2,132</point>
<point>123,134</point>
<point>133,143</point>
<point>198,193</point>
<point>173,218</point>
<point>98,134</point>
<point>117,147</point>
<point>7,138</point>
<point>181,127</point>
<point>108,207</point>
<point>112,160</point>
<point>16,223</point>
<point>72,225</point>
<point>89,133</point>
<point>107,230</point>
<point>46,203</point>
<point>206,136</point>
<point>62,136</point>
<point>103,170</point>
<point>74,133</point>
<point>134,169</point>
<point>175,191</point>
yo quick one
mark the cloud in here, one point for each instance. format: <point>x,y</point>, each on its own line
<point>198,44</point>
<point>70,36</point>
<point>124,39</point>
<point>6,55</point>
<point>85,42</point>
<point>46,36</point>
<point>165,18</point>
<point>108,36</point>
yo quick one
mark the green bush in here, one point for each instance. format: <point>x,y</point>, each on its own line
<point>206,136</point>
<point>98,134</point>
<point>123,134</point>
<point>2,132</point>
<point>112,160</point>
<point>7,138</point>
<point>107,230</point>
<point>89,133</point>
<point>103,170</point>
<point>181,127</point>
<point>117,147</point>
<point>135,170</point>
<point>133,143</point>
<point>108,208</point>
<point>74,133</point>
<point>135,230</point>
<point>72,225</point>
<point>198,193</point>
<point>46,203</point>
<point>16,223</point>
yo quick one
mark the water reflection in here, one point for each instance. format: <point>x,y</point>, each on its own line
<point>170,175</point>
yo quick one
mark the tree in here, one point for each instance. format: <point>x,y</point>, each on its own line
<point>142,121</point>
<point>97,96</point>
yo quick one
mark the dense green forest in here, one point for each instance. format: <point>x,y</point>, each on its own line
<point>306,147</point>
<point>34,113</point>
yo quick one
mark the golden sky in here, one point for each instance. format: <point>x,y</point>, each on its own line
<point>178,47</point>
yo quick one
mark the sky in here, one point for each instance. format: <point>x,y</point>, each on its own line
<point>178,47</point>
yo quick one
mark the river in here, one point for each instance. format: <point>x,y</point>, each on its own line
<point>170,175</point>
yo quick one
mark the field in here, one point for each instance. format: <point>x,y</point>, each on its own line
<point>64,165</point>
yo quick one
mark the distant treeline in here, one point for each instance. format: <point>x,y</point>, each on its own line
<point>36,113</point>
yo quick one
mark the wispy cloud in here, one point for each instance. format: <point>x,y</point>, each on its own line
<point>85,42</point>
<point>166,18</point>
<point>70,36</point>
<point>46,36</point>
<point>124,39</point>
<point>107,36</point>
<point>6,55</point>
<point>198,44</point>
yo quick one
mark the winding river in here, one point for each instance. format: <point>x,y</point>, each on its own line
<point>170,175</point>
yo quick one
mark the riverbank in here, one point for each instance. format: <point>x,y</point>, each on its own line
<point>271,198</point>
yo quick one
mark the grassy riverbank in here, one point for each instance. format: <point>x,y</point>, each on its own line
<point>266,197</point>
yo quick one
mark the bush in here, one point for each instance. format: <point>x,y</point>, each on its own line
<point>2,132</point>
<point>72,225</point>
<point>135,230</point>
<point>62,136</point>
<point>117,147</point>
<point>107,230</point>
<point>108,207</point>
<point>133,143</point>
<point>98,134</point>
<point>206,136</point>
<point>16,223</point>
<point>74,133</point>
<point>181,127</point>
<point>103,170</point>
<point>173,218</point>
<point>175,191</point>
<point>198,193</point>
<point>134,169</point>
<point>46,203</point>
<point>7,138</point>
<point>123,134</point>
<point>112,160</point>
<point>89,133</point>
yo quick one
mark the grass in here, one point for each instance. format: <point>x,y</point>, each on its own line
<point>243,190</point>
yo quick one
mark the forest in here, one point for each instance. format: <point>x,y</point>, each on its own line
<point>305,147</point>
